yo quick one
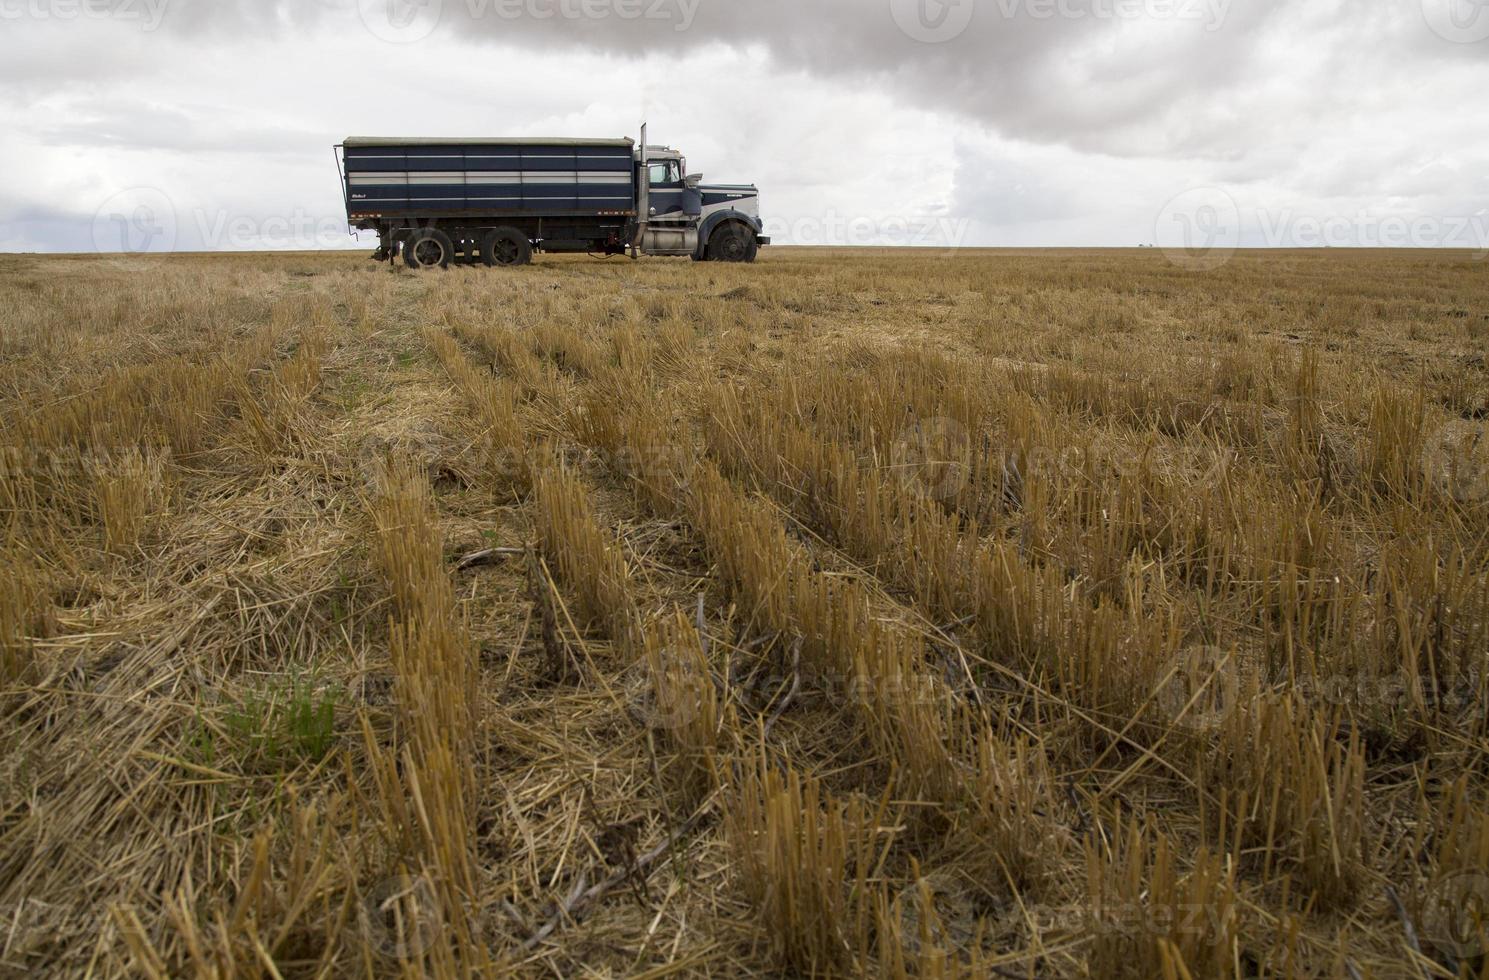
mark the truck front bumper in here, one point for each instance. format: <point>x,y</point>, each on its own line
<point>762,239</point>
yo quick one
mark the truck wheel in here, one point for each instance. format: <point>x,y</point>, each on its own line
<point>506,246</point>
<point>427,249</point>
<point>732,243</point>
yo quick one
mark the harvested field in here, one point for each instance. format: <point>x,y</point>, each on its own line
<point>1019,614</point>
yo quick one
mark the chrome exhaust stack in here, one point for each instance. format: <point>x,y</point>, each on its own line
<point>643,198</point>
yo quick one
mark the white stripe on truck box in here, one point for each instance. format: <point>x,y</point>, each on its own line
<point>491,177</point>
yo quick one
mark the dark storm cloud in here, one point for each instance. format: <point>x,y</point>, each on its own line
<point>1086,72</point>
<point>1171,78</point>
<point>1164,78</point>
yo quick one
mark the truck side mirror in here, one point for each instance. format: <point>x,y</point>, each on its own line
<point>693,180</point>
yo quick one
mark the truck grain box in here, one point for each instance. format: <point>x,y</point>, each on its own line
<point>497,201</point>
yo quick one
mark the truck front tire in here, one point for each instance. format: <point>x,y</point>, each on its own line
<point>427,249</point>
<point>732,243</point>
<point>506,246</point>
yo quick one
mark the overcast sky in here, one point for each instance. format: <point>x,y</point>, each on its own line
<point>209,123</point>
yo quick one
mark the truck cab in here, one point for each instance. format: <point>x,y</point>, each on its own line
<point>680,214</point>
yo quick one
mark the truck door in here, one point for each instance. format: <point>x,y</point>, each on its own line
<point>667,188</point>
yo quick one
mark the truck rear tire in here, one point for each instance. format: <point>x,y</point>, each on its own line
<point>506,246</point>
<point>427,249</point>
<point>732,243</point>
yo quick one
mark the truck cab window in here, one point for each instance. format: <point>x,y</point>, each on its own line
<point>663,173</point>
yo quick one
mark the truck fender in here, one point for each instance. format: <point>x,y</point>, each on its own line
<point>713,221</point>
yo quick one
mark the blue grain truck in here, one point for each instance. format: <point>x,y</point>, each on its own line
<point>497,201</point>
